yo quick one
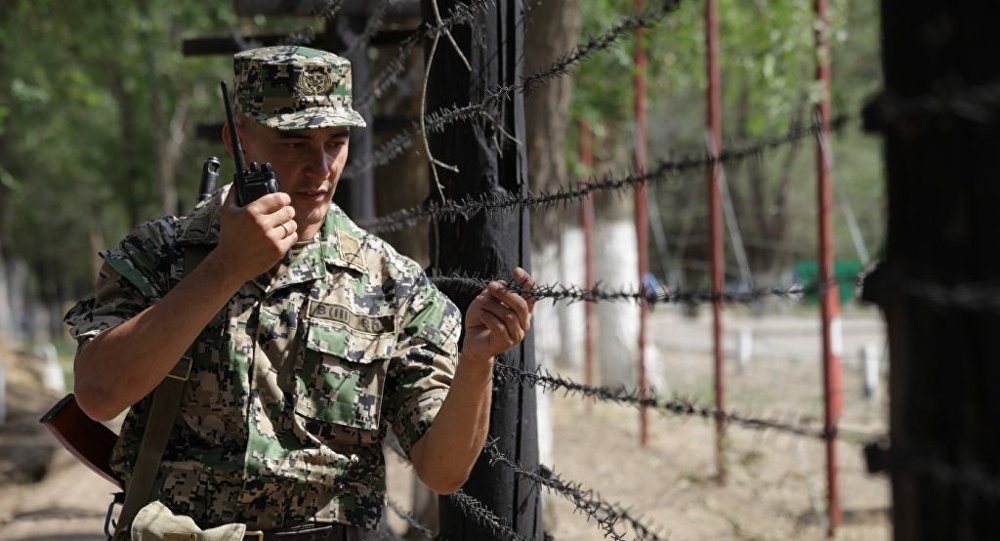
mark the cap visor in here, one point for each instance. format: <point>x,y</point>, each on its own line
<point>316,117</point>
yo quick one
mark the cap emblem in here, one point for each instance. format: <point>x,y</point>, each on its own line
<point>313,83</point>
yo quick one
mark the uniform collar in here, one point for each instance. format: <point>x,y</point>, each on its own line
<point>342,241</point>
<point>202,225</point>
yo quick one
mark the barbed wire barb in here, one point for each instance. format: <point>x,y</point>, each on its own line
<point>374,23</point>
<point>476,511</point>
<point>492,203</point>
<point>461,14</point>
<point>412,521</point>
<point>588,502</point>
<point>684,407</point>
<point>610,37</point>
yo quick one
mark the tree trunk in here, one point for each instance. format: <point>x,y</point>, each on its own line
<point>131,174</point>
<point>551,29</point>
<point>617,322</point>
<point>767,202</point>
<point>402,183</point>
<point>7,326</point>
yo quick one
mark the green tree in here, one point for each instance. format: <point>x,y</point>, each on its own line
<point>95,108</point>
<point>768,60</point>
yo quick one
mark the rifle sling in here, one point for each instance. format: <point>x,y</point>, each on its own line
<point>159,422</point>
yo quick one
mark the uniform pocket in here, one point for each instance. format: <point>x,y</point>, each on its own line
<point>343,374</point>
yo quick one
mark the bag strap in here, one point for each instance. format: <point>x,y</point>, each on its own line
<point>159,423</point>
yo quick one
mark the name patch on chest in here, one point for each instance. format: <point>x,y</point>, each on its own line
<point>340,314</point>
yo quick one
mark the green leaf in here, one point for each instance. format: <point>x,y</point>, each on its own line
<point>8,181</point>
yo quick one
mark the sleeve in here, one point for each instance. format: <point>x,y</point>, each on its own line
<point>131,279</point>
<point>421,372</point>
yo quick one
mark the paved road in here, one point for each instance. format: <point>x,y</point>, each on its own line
<point>774,337</point>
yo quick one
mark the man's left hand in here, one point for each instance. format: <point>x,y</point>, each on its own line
<point>498,319</point>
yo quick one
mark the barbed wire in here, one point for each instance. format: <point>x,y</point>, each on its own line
<point>475,510</point>
<point>606,514</point>
<point>461,14</point>
<point>307,35</point>
<point>491,203</point>
<point>574,293</point>
<point>610,37</point>
<point>973,295</point>
<point>683,407</point>
<point>412,521</point>
<point>489,106</point>
<point>373,24</point>
<point>435,122</point>
<point>471,507</point>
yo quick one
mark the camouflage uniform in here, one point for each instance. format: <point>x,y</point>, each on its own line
<point>295,382</point>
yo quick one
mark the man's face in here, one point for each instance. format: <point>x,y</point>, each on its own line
<point>308,164</point>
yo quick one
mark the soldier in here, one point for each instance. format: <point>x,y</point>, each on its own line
<point>308,337</point>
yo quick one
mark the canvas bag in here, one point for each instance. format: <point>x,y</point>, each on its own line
<point>155,522</point>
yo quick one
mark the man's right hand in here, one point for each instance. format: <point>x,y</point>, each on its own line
<point>123,364</point>
<point>254,238</point>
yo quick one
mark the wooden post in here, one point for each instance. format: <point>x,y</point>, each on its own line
<point>487,245</point>
<point>943,228</point>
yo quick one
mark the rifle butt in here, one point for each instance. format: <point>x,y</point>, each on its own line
<point>87,440</point>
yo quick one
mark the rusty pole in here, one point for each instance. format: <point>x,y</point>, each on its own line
<point>830,302</point>
<point>587,222</point>
<point>715,226</point>
<point>641,213</point>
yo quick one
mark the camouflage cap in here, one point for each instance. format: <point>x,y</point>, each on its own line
<point>294,88</point>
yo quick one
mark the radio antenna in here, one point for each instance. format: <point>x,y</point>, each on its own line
<point>237,148</point>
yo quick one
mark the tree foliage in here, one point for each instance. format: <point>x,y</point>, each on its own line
<point>93,96</point>
<point>768,58</point>
<point>81,83</point>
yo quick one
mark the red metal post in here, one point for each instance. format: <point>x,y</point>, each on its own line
<point>641,211</point>
<point>830,302</point>
<point>587,219</point>
<point>715,226</point>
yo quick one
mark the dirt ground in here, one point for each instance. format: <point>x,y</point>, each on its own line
<point>776,482</point>
<point>776,488</point>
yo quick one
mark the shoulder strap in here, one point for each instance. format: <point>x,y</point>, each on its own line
<point>159,422</point>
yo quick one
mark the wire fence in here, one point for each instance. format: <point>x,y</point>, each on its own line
<point>606,514</point>
<point>970,103</point>
<point>662,170</point>
<point>678,406</point>
<point>652,296</point>
<point>614,520</point>
<point>437,121</point>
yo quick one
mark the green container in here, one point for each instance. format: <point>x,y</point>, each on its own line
<point>845,272</point>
